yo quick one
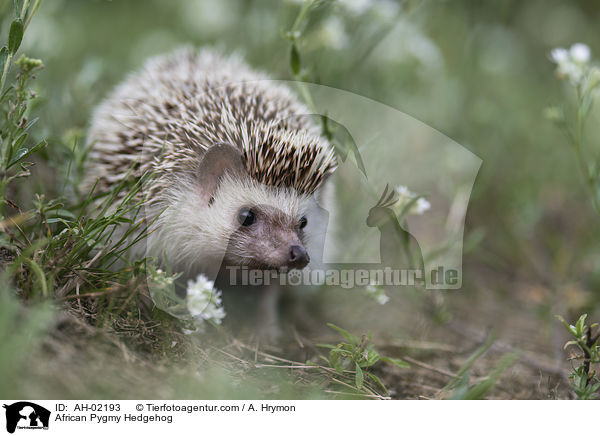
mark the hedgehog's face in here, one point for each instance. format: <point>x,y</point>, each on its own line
<point>256,225</point>
<point>268,238</point>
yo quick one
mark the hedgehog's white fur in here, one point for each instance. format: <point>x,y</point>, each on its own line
<point>174,227</point>
<point>162,119</point>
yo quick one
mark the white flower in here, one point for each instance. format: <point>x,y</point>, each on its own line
<point>573,63</point>
<point>421,206</point>
<point>580,52</point>
<point>559,55</point>
<point>382,298</point>
<point>371,288</point>
<point>377,293</point>
<point>403,191</point>
<point>405,196</point>
<point>204,301</point>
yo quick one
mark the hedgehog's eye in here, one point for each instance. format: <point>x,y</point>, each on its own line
<point>303,222</point>
<point>246,217</point>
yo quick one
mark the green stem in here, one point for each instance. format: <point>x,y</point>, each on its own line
<point>305,94</point>
<point>24,9</point>
<point>5,71</point>
<point>34,8</point>
<point>301,16</point>
<point>577,142</point>
<point>27,20</point>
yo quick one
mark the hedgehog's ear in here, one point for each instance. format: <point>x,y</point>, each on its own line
<point>217,160</point>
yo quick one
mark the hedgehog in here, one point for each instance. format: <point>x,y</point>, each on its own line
<point>239,169</point>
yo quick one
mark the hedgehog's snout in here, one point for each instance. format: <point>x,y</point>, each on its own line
<point>298,257</point>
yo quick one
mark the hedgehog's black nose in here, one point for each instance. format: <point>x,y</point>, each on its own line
<point>298,257</point>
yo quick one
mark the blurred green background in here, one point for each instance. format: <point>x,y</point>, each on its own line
<point>479,72</point>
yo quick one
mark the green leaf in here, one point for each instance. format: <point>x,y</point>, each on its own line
<point>15,35</point>
<point>20,140</point>
<point>20,155</point>
<point>325,359</point>
<point>347,347</point>
<point>583,382</point>
<point>379,382</point>
<point>17,157</point>
<point>372,357</point>
<point>479,390</point>
<point>569,327</point>
<point>359,377</point>
<point>470,361</point>
<point>353,339</point>
<point>398,362</point>
<point>580,325</point>
<point>63,213</point>
<point>561,319</point>
<point>569,343</point>
<point>461,388</point>
<point>57,220</point>
<point>334,357</point>
<point>295,60</point>
<point>31,123</point>
<point>329,346</point>
<point>3,58</point>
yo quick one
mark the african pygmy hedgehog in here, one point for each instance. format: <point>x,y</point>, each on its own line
<point>236,161</point>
